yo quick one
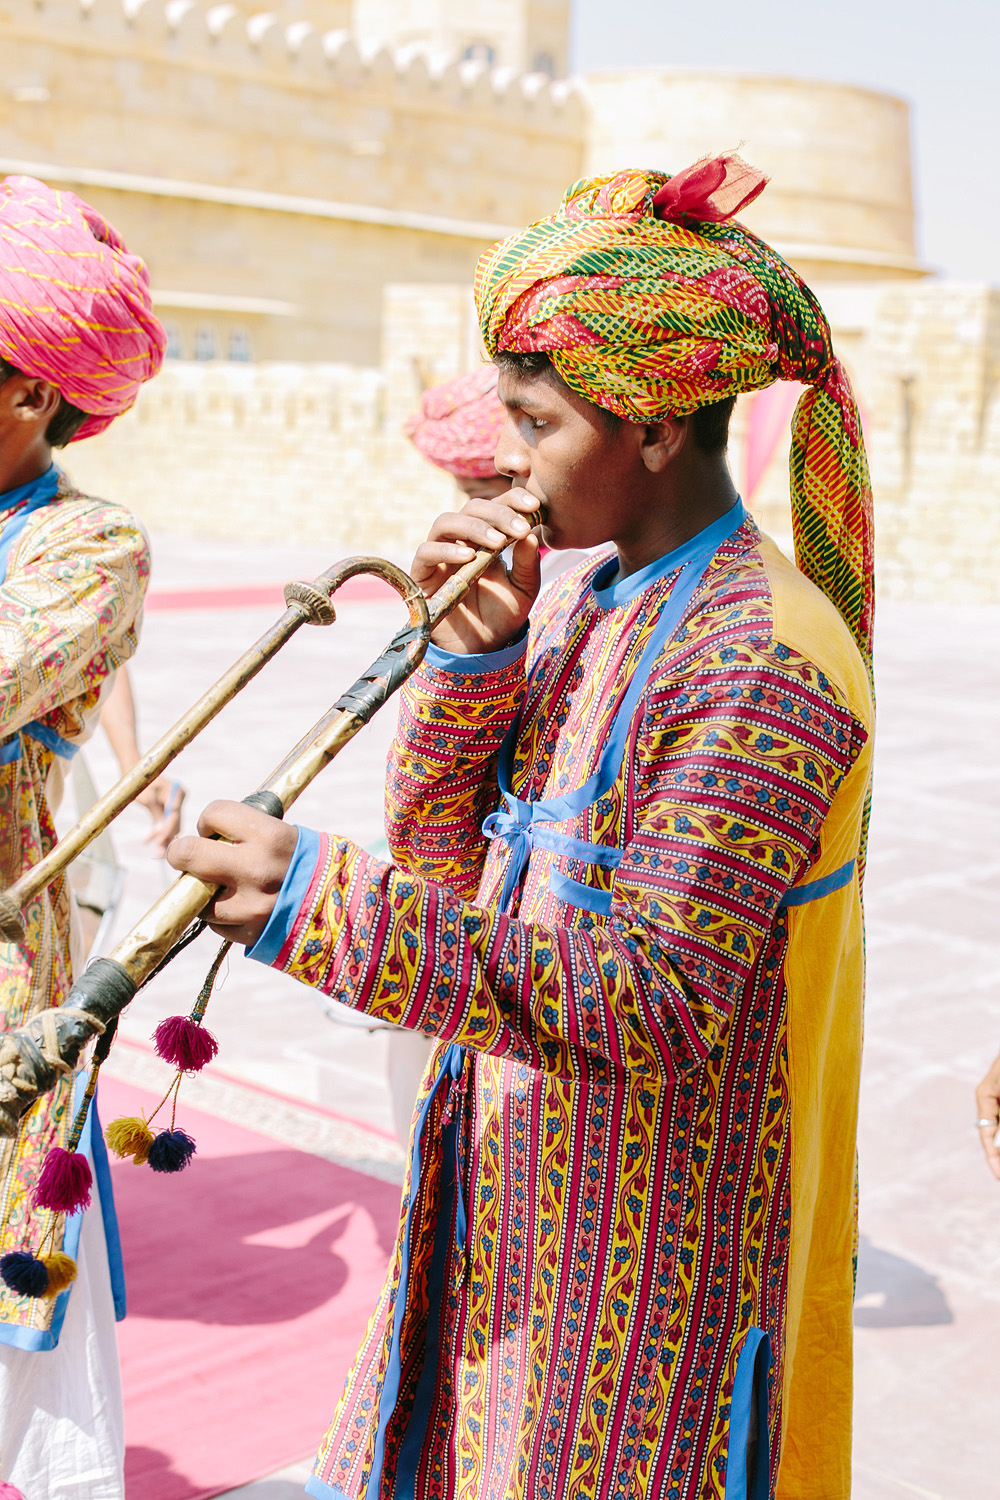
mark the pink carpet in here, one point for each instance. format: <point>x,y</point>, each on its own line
<point>365,588</point>
<point>250,1277</point>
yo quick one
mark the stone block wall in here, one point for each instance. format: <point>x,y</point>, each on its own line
<point>935,439</point>
<point>275,175</point>
<point>302,452</point>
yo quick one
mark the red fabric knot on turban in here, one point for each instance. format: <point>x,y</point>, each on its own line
<point>715,189</point>
<point>75,305</point>
<point>458,424</point>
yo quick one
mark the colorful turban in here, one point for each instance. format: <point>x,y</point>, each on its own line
<point>75,307</point>
<point>650,301</point>
<point>459,423</point>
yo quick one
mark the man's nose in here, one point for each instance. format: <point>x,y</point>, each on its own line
<point>512,457</point>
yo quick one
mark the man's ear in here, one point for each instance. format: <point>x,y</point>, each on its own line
<point>28,399</point>
<point>662,441</point>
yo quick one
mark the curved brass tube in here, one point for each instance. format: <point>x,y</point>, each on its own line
<point>33,1056</point>
<point>308,603</point>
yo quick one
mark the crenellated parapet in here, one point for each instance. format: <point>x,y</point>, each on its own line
<point>297,50</point>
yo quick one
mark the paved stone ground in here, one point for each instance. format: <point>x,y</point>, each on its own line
<point>928,1314</point>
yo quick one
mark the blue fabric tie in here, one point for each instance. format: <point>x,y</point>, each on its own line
<point>517,824</point>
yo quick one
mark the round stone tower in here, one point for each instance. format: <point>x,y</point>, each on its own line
<point>839,205</point>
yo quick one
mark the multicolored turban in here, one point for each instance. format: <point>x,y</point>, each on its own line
<point>75,306</point>
<point>651,301</point>
<point>459,423</point>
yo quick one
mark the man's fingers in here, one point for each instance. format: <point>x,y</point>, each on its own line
<point>430,556</point>
<point>235,821</point>
<point>209,860</point>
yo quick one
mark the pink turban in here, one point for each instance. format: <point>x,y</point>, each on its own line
<point>459,423</point>
<point>75,306</point>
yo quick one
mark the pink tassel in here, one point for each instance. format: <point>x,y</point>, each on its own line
<point>184,1044</point>
<point>64,1182</point>
<point>9,1491</point>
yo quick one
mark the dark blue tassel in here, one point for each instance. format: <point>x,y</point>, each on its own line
<point>25,1274</point>
<point>171,1151</point>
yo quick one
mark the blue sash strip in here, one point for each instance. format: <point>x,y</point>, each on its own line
<point>813,890</point>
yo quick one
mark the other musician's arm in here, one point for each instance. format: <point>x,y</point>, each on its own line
<point>68,609</point>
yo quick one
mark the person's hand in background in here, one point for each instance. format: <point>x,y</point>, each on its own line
<point>164,797</point>
<point>988,1113</point>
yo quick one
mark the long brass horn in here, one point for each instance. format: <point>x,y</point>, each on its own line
<point>34,1056</point>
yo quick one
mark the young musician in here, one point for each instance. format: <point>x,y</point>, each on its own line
<point>77,338</point>
<point>627,832</point>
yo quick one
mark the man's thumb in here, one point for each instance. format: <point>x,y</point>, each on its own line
<point>526,566</point>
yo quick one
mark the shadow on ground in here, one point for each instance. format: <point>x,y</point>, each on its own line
<point>896,1293</point>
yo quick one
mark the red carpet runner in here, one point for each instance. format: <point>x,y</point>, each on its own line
<point>250,1277</point>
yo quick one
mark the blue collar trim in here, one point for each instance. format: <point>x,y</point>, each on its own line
<point>40,490</point>
<point>610,591</point>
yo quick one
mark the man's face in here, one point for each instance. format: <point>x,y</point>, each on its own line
<point>587,471</point>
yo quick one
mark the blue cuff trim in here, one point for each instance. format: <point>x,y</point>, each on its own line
<point>294,889</point>
<point>812,890</point>
<point>484,661</point>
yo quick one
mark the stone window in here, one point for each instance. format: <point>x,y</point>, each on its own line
<point>480,52</point>
<point>205,345</point>
<point>240,347</point>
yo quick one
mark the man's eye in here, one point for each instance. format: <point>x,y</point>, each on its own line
<point>538,422</point>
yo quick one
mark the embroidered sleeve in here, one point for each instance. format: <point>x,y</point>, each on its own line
<point>68,611</point>
<point>441,778</point>
<point>736,770</point>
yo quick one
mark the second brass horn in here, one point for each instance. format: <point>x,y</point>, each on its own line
<point>35,1055</point>
<point>308,603</point>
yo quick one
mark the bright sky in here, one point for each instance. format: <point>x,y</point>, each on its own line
<point>941,55</point>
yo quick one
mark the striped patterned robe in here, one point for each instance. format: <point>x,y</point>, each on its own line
<point>70,608</point>
<point>654,1115</point>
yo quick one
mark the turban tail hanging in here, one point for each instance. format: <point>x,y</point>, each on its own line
<point>75,306</point>
<point>651,301</point>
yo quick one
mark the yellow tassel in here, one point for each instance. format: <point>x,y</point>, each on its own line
<point>62,1271</point>
<point>130,1136</point>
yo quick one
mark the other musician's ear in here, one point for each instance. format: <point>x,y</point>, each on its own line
<point>28,399</point>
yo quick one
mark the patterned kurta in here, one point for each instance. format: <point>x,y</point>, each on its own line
<point>70,607</point>
<point>643,1164</point>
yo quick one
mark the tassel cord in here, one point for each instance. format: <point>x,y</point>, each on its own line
<point>205,994</point>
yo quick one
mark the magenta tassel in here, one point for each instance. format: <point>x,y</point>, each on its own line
<point>183,1043</point>
<point>9,1491</point>
<point>64,1182</point>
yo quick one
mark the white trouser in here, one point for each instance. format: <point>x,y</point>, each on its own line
<point>62,1433</point>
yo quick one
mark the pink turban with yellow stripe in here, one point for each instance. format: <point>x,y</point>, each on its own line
<point>75,306</point>
<point>459,423</point>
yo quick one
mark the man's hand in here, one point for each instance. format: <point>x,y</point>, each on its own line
<point>988,1108</point>
<point>496,607</point>
<point>250,866</point>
